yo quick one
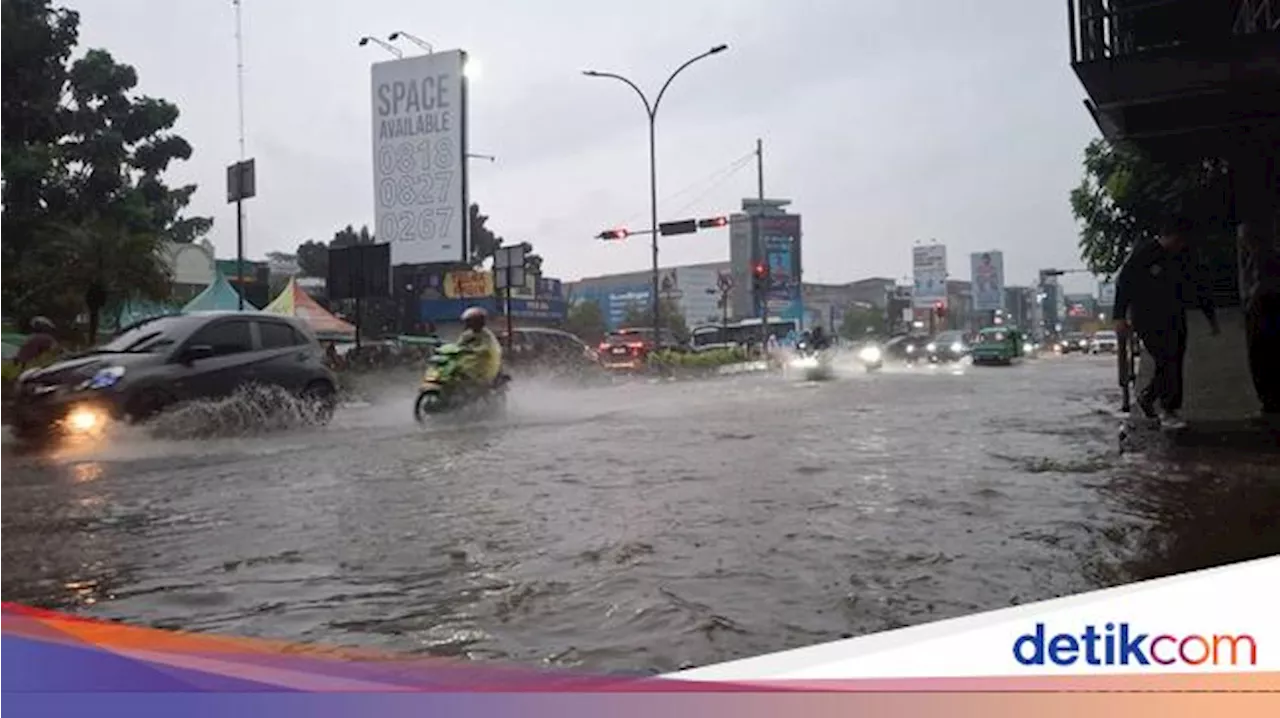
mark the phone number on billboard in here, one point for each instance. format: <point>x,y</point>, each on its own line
<point>416,173</point>
<point>423,225</point>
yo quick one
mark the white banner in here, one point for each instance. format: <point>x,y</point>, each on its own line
<point>987,277</point>
<point>419,157</point>
<point>929,269</point>
<point>1218,620</point>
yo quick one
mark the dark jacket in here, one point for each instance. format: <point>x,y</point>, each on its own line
<point>1155,285</point>
<point>1259,259</point>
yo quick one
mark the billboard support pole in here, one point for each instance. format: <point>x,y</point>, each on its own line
<point>239,198</point>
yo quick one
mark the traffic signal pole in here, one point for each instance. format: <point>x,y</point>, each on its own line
<point>764,255</point>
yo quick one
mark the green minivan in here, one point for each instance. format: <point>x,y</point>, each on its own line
<point>998,345</point>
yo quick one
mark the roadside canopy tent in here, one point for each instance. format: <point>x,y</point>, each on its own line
<point>132,311</point>
<point>219,296</point>
<point>295,302</point>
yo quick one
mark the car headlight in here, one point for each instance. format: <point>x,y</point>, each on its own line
<point>105,378</point>
<point>1026,348</point>
<point>957,347</point>
<point>871,355</point>
<point>931,347</point>
<point>911,349</point>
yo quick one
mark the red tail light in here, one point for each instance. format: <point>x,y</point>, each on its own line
<point>637,345</point>
<point>604,347</point>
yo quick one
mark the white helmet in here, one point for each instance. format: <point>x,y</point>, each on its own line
<point>475,316</point>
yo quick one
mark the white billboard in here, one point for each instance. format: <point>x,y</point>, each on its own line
<point>419,157</point>
<point>929,270</point>
<point>1106,294</point>
<point>987,277</point>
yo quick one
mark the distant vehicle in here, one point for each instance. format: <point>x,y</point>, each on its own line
<point>545,349</point>
<point>906,348</point>
<point>1104,342</point>
<point>1074,342</point>
<point>629,349</point>
<point>999,345</point>
<point>949,346</point>
<point>169,360</point>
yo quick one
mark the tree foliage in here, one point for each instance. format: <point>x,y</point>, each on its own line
<point>484,242</point>
<point>860,321</point>
<point>86,212</point>
<point>1125,195</point>
<point>586,320</point>
<point>640,314</point>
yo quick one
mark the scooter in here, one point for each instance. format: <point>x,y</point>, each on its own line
<point>443,388</point>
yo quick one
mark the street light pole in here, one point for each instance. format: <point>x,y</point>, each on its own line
<point>411,38</point>
<point>651,111</point>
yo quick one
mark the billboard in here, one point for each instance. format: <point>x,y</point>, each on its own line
<point>1106,294</point>
<point>419,157</point>
<point>929,270</point>
<point>987,275</point>
<point>780,237</point>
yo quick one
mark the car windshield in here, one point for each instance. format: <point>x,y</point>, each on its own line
<point>948,337</point>
<point>145,338</point>
<point>1105,335</point>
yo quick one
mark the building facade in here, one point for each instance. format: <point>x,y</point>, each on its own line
<point>694,288</point>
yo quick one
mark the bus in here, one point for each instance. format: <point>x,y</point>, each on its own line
<point>740,333</point>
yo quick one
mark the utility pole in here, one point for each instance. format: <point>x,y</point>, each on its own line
<point>239,196</point>
<point>764,254</point>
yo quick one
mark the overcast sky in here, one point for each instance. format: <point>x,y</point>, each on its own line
<point>885,122</point>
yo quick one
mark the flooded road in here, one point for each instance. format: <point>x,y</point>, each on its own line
<point>640,527</point>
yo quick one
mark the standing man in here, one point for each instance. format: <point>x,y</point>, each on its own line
<point>1154,287</point>
<point>1260,291</point>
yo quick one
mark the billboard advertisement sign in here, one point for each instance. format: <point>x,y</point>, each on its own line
<point>1106,294</point>
<point>781,239</point>
<point>419,157</point>
<point>468,284</point>
<point>987,275</point>
<point>929,270</point>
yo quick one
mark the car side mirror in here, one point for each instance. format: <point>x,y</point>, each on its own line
<point>196,351</point>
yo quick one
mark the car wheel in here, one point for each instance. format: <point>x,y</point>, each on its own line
<point>322,400</point>
<point>146,404</point>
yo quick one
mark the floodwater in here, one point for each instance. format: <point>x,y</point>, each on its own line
<point>638,527</point>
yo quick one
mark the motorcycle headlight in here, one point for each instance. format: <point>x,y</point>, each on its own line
<point>1026,348</point>
<point>931,347</point>
<point>870,354</point>
<point>104,379</point>
<point>911,348</point>
<point>957,347</point>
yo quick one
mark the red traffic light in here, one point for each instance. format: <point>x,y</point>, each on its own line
<point>759,270</point>
<point>619,233</point>
<point>713,222</point>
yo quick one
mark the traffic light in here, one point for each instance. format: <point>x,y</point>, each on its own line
<point>940,309</point>
<point>760,275</point>
<point>610,234</point>
<point>713,223</point>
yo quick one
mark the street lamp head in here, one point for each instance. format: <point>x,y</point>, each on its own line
<point>591,73</point>
<point>393,36</point>
<point>718,48</point>
<point>365,40</point>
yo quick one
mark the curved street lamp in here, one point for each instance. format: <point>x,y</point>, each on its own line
<point>651,111</point>
<point>384,45</point>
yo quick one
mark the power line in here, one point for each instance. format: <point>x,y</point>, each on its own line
<point>716,177</point>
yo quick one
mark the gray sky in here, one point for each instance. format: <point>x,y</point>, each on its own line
<point>885,122</point>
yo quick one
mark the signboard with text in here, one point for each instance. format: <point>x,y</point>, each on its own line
<point>419,157</point>
<point>780,236</point>
<point>929,271</point>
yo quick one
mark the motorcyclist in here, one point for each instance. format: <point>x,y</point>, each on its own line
<point>806,341</point>
<point>819,339</point>
<point>40,343</point>
<point>482,361</point>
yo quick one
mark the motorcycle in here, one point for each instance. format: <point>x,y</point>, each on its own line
<point>812,363</point>
<point>444,389</point>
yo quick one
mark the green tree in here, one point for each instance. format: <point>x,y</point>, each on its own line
<point>672,317</point>
<point>313,258</point>
<point>859,321</point>
<point>484,242</point>
<point>86,214</point>
<point>1125,195</point>
<point>586,320</point>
